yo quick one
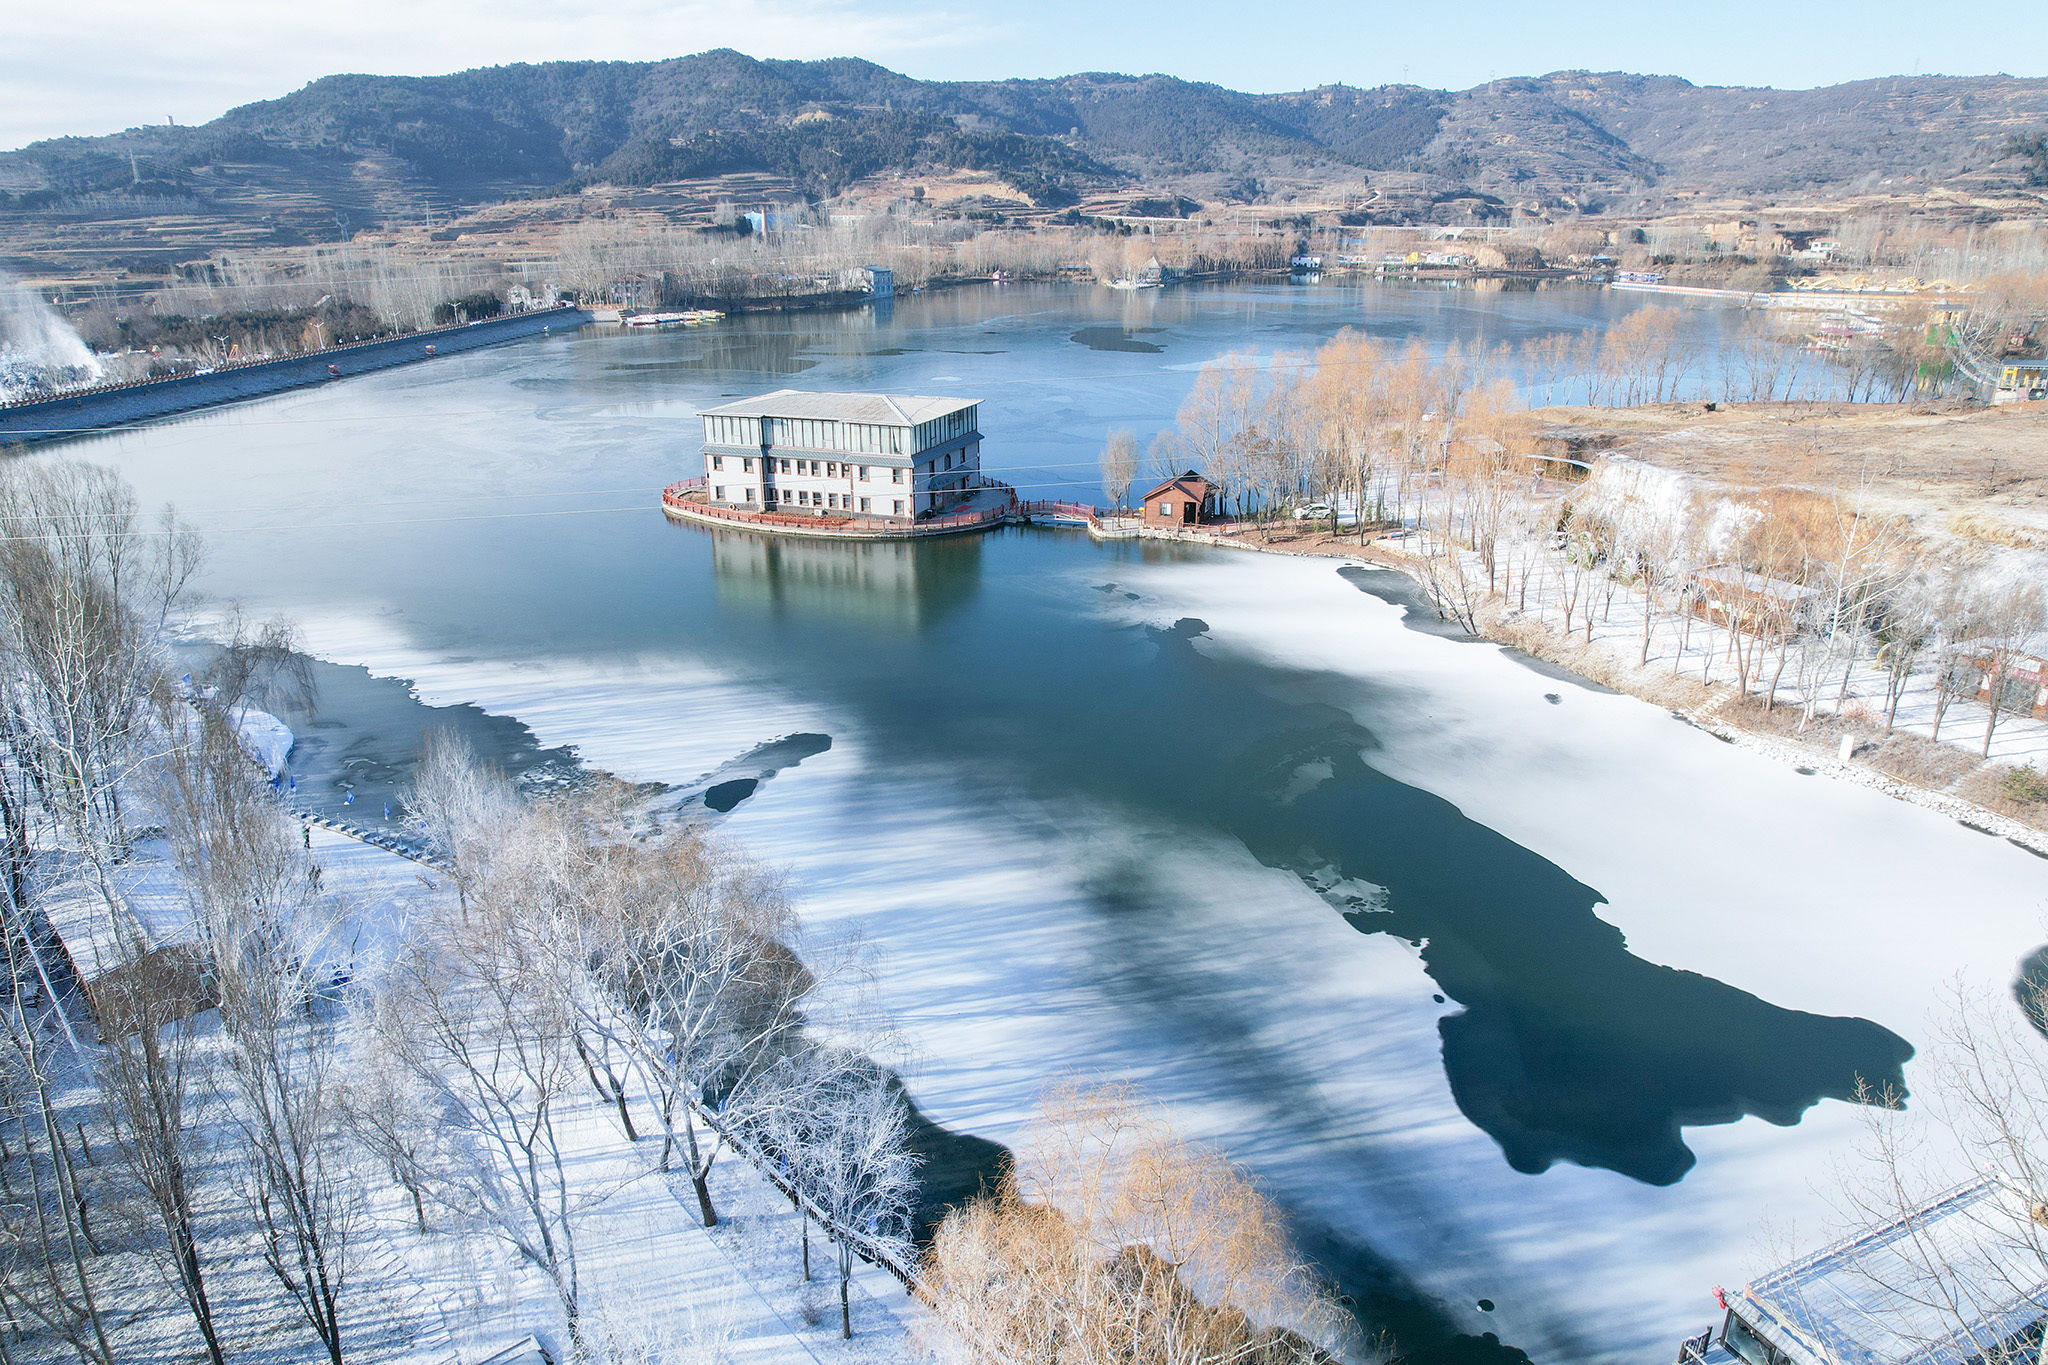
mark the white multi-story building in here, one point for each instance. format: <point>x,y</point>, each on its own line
<point>850,454</point>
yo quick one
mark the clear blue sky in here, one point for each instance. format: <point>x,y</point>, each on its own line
<point>95,66</point>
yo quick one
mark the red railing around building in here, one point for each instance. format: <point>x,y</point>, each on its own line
<point>676,495</point>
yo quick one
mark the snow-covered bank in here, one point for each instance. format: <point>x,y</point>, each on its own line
<point>657,1284</point>
<point>1665,654</point>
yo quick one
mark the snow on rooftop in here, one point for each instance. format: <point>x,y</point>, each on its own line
<point>877,409</point>
<point>1948,1283</point>
<point>1761,585</point>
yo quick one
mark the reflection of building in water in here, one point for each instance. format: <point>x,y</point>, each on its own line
<point>873,455</point>
<point>896,584</point>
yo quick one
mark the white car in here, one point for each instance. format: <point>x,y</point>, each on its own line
<point>1314,511</point>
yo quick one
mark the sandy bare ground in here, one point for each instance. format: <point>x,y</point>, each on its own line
<point>1954,470</point>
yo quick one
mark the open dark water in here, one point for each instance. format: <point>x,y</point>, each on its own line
<point>991,756</point>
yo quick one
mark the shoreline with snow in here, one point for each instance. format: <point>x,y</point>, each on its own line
<point>1537,641</point>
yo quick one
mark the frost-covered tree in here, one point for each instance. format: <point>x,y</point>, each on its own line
<point>267,930</point>
<point>473,1013</point>
<point>693,958</point>
<point>847,1146</point>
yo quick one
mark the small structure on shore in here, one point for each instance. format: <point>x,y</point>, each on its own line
<point>844,455</point>
<point>1958,1280</point>
<point>1183,500</point>
<point>1732,596</point>
<point>2015,674</point>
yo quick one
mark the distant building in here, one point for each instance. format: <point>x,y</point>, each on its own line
<point>2029,377</point>
<point>772,220</point>
<point>878,282</point>
<point>1769,607</point>
<point>2018,678</point>
<point>1184,500</point>
<point>1958,1281</point>
<point>843,454</point>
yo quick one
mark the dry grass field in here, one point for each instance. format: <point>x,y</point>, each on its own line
<point>1955,470</point>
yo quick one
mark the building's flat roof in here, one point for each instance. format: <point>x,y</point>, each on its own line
<point>1945,1285</point>
<point>876,409</point>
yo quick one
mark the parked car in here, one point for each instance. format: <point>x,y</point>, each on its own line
<point>1314,511</point>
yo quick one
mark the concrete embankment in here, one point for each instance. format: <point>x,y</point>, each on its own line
<point>118,405</point>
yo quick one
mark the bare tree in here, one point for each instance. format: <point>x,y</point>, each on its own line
<point>473,1013</point>
<point>49,1238</point>
<point>2013,619</point>
<point>1162,456</point>
<point>267,932</point>
<point>157,1082</point>
<point>1114,1239</point>
<point>1120,465</point>
<point>85,591</point>
<point>1985,1094</point>
<point>389,1111</point>
<point>846,1142</point>
<point>1909,620</point>
<point>694,960</point>
<point>461,805</point>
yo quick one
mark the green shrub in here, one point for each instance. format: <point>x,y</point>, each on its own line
<point>2027,785</point>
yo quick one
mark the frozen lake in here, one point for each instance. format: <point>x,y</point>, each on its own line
<point>1509,989</point>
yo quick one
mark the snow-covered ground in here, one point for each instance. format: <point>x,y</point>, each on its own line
<point>658,1285</point>
<point>1307,1049</point>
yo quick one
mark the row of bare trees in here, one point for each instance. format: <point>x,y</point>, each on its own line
<point>1793,589</point>
<point>1799,589</point>
<point>657,968</point>
<point>185,1087</point>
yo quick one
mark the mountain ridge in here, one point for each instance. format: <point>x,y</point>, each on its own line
<point>347,145</point>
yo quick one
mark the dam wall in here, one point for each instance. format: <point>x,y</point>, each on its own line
<point>107,406</point>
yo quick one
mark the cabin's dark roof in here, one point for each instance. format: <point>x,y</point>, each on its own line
<point>1190,483</point>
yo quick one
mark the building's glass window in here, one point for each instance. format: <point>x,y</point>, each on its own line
<point>896,476</point>
<point>863,473</point>
<point>867,504</point>
<point>718,493</point>
<point>831,469</point>
<point>746,466</point>
<point>1165,509</point>
<point>899,507</point>
<point>747,494</point>
<point>718,461</point>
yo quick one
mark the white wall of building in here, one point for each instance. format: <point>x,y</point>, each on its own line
<point>815,476</point>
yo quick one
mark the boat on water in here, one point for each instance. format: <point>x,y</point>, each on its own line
<point>689,317</point>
